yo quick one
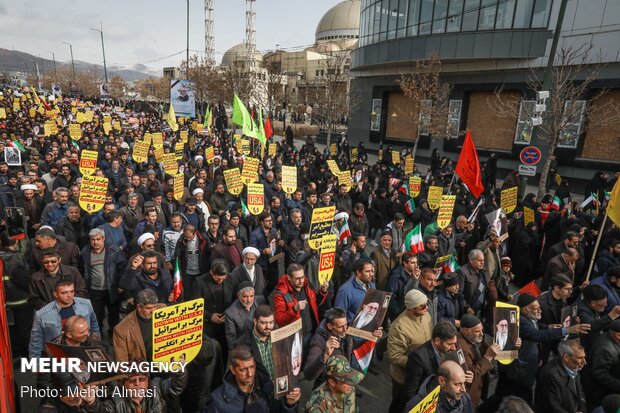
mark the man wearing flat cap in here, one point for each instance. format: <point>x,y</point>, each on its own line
<point>337,394</point>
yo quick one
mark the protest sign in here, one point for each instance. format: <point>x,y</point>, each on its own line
<point>344,178</point>
<point>107,127</point>
<point>177,331</point>
<point>289,179</point>
<point>178,186</point>
<point>158,141</point>
<point>528,215</point>
<point>333,166</point>
<point>249,173</point>
<point>509,199</point>
<point>434,197</point>
<point>327,259</point>
<point>184,136</point>
<point>2,113</point>
<point>171,166</point>
<point>88,162</point>
<point>273,149</point>
<point>395,157</point>
<point>333,149</point>
<point>245,146</point>
<point>320,225</point>
<point>232,177</point>
<point>428,403</point>
<point>380,155</point>
<point>256,198</point>
<point>287,351</point>
<point>370,314</point>
<point>415,184</point>
<point>506,331</point>
<point>159,153</point>
<point>409,165</point>
<point>92,193</point>
<point>445,210</point>
<point>353,154</point>
<point>140,151</point>
<point>209,154</point>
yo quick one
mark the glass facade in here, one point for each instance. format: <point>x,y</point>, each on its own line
<point>391,19</point>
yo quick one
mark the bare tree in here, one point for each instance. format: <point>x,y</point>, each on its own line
<point>428,98</point>
<point>154,88</point>
<point>118,87</point>
<point>567,109</point>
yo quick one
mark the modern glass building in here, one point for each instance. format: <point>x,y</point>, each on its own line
<point>483,45</point>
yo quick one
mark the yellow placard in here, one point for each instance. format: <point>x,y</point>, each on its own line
<point>528,215</point>
<point>289,179</point>
<point>333,149</point>
<point>209,154</point>
<point>409,165</point>
<point>395,157</point>
<point>16,106</point>
<point>380,155</point>
<point>171,167</point>
<point>177,331</point>
<point>158,140</point>
<point>41,110</point>
<point>353,154</point>
<point>249,173</point>
<point>445,210</point>
<point>32,112</point>
<point>327,259</point>
<point>238,142</point>
<point>179,151</point>
<point>2,113</point>
<point>232,177</point>
<point>92,193</point>
<point>333,166</point>
<point>148,138</point>
<point>245,146</point>
<point>140,151</point>
<point>88,162</point>
<point>415,184</point>
<point>178,186</point>
<point>434,197</point>
<point>428,403</point>
<point>509,199</point>
<point>75,131</point>
<point>345,179</point>
<point>159,153</point>
<point>256,198</point>
<point>273,149</point>
<point>107,127</point>
<point>320,225</point>
<point>184,136</point>
<point>107,119</point>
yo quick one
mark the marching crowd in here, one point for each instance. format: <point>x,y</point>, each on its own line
<point>88,279</point>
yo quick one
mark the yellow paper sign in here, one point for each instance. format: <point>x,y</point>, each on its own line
<point>107,127</point>
<point>256,198</point>
<point>2,113</point>
<point>333,149</point>
<point>428,403</point>
<point>509,199</point>
<point>171,167</point>
<point>177,331</point>
<point>184,135</point>
<point>380,155</point>
<point>178,186</point>
<point>140,151</point>
<point>88,162</point>
<point>232,177</point>
<point>353,154</point>
<point>209,154</point>
<point>16,106</point>
<point>75,131</point>
<point>409,165</point>
<point>249,173</point>
<point>245,146</point>
<point>528,215</point>
<point>148,138</point>
<point>273,149</point>
<point>158,140</point>
<point>159,153</point>
<point>289,179</point>
<point>434,197</point>
<point>32,112</point>
<point>395,157</point>
<point>445,210</point>
<point>320,225</point>
<point>92,193</point>
<point>345,179</point>
<point>415,183</point>
<point>333,166</point>
<point>327,259</point>
<point>107,119</point>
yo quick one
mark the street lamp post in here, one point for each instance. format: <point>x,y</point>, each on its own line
<point>105,67</point>
<point>72,61</point>
<point>54,60</point>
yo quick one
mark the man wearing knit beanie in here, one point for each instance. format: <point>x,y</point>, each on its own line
<point>601,374</point>
<point>409,331</point>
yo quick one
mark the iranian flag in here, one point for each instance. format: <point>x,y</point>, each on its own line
<point>451,265</point>
<point>413,240</point>
<point>410,206</point>
<point>244,209</point>
<point>344,231</point>
<point>178,284</point>
<point>393,182</point>
<point>591,199</point>
<point>363,354</point>
<point>404,188</point>
<point>556,203</point>
<point>16,144</point>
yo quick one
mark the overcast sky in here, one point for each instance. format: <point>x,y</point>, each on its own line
<point>146,31</point>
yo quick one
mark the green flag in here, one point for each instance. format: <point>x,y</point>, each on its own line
<point>207,120</point>
<point>242,117</point>
<point>260,135</point>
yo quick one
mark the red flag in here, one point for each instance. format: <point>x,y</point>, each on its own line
<point>47,106</point>
<point>531,289</point>
<point>468,167</point>
<point>268,129</point>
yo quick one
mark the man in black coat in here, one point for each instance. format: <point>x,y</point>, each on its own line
<point>603,373</point>
<point>472,282</point>
<point>551,304</point>
<point>590,311</point>
<point>558,388</point>
<point>218,294</point>
<point>425,360</point>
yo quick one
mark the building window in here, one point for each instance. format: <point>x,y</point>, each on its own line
<point>412,17</point>
<point>573,119</point>
<point>455,15</point>
<point>486,21</point>
<point>439,16</point>
<point>523,134</point>
<point>426,16</point>
<point>541,13</point>
<point>523,14</point>
<point>392,18</point>
<point>403,9</point>
<point>470,15</point>
<point>505,13</point>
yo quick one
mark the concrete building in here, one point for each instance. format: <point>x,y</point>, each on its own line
<point>483,45</point>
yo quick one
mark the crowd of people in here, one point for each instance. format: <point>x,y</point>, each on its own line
<point>79,278</point>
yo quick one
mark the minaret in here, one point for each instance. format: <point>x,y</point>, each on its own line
<point>209,33</point>
<point>250,34</point>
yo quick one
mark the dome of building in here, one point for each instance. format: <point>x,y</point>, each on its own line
<point>237,54</point>
<point>340,22</point>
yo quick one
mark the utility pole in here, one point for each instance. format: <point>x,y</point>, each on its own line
<point>72,61</point>
<point>54,59</point>
<point>105,67</point>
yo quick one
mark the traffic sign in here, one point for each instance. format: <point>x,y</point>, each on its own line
<point>527,170</point>
<point>530,155</point>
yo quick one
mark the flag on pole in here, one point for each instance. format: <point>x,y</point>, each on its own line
<point>393,182</point>
<point>363,354</point>
<point>613,207</point>
<point>404,188</point>
<point>242,117</point>
<point>16,144</point>
<point>531,289</point>
<point>468,167</point>
<point>451,265</point>
<point>410,206</point>
<point>344,231</point>
<point>172,119</point>
<point>268,128</point>
<point>178,284</point>
<point>589,200</point>
<point>260,134</point>
<point>244,209</point>
<point>474,214</point>
<point>556,203</point>
<point>208,118</point>
<point>413,240</point>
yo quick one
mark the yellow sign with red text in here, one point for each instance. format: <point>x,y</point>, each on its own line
<point>256,198</point>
